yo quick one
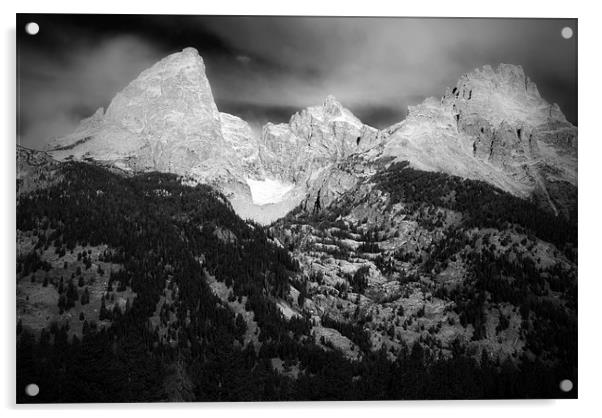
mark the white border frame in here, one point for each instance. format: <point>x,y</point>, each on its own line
<point>589,202</point>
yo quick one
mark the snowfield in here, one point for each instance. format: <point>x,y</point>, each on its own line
<point>268,191</point>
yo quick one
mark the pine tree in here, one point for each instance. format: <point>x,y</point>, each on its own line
<point>241,324</point>
<point>85,299</point>
<point>72,295</point>
<point>85,327</point>
<point>104,313</point>
<point>62,303</point>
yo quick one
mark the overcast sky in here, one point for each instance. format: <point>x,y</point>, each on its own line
<point>266,68</point>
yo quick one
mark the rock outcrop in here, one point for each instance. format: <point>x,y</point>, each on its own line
<point>35,170</point>
<point>515,129</point>
<point>310,148</point>
<point>167,120</point>
<point>239,136</point>
<point>493,126</point>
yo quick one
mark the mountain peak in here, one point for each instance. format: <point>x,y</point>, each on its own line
<point>493,125</point>
<point>187,54</point>
<point>507,80</point>
<point>165,119</point>
<point>332,106</point>
<point>504,94</point>
<point>187,66</point>
<point>188,58</point>
<point>506,70</point>
<point>177,86</point>
<point>192,51</point>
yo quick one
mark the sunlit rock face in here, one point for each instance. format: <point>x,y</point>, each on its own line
<point>493,126</point>
<point>515,129</point>
<point>244,143</point>
<point>165,120</point>
<point>308,150</point>
<point>313,139</point>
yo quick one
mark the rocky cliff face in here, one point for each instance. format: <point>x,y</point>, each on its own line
<point>167,120</point>
<point>239,136</point>
<point>492,126</point>
<point>311,147</point>
<point>515,129</point>
<point>164,120</point>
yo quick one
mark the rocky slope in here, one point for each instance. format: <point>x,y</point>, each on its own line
<point>311,147</point>
<point>493,126</point>
<point>35,170</point>
<point>314,140</point>
<point>414,256</point>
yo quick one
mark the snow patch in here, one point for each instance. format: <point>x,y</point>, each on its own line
<point>268,191</point>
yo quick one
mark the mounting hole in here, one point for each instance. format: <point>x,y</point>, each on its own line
<point>566,32</point>
<point>32,390</point>
<point>566,385</point>
<point>32,28</point>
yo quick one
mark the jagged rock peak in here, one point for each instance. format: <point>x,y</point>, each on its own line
<point>190,51</point>
<point>502,94</point>
<point>188,56</point>
<point>507,77</point>
<point>166,119</point>
<point>332,106</point>
<point>187,65</point>
<point>329,111</point>
<point>493,126</point>
<point>177,77</point>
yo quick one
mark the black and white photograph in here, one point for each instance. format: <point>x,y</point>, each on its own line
<point>229,208</point>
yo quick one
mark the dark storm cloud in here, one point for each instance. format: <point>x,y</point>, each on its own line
<point>56,93</point>
<point>388,62</point>
<point>265,68</point>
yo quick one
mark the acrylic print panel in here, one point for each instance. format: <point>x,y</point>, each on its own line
<point>217,208</point>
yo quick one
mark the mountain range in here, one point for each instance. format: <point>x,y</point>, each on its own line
<point>492,126</point>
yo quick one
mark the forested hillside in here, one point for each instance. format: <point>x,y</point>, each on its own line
<point>163,245</point>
